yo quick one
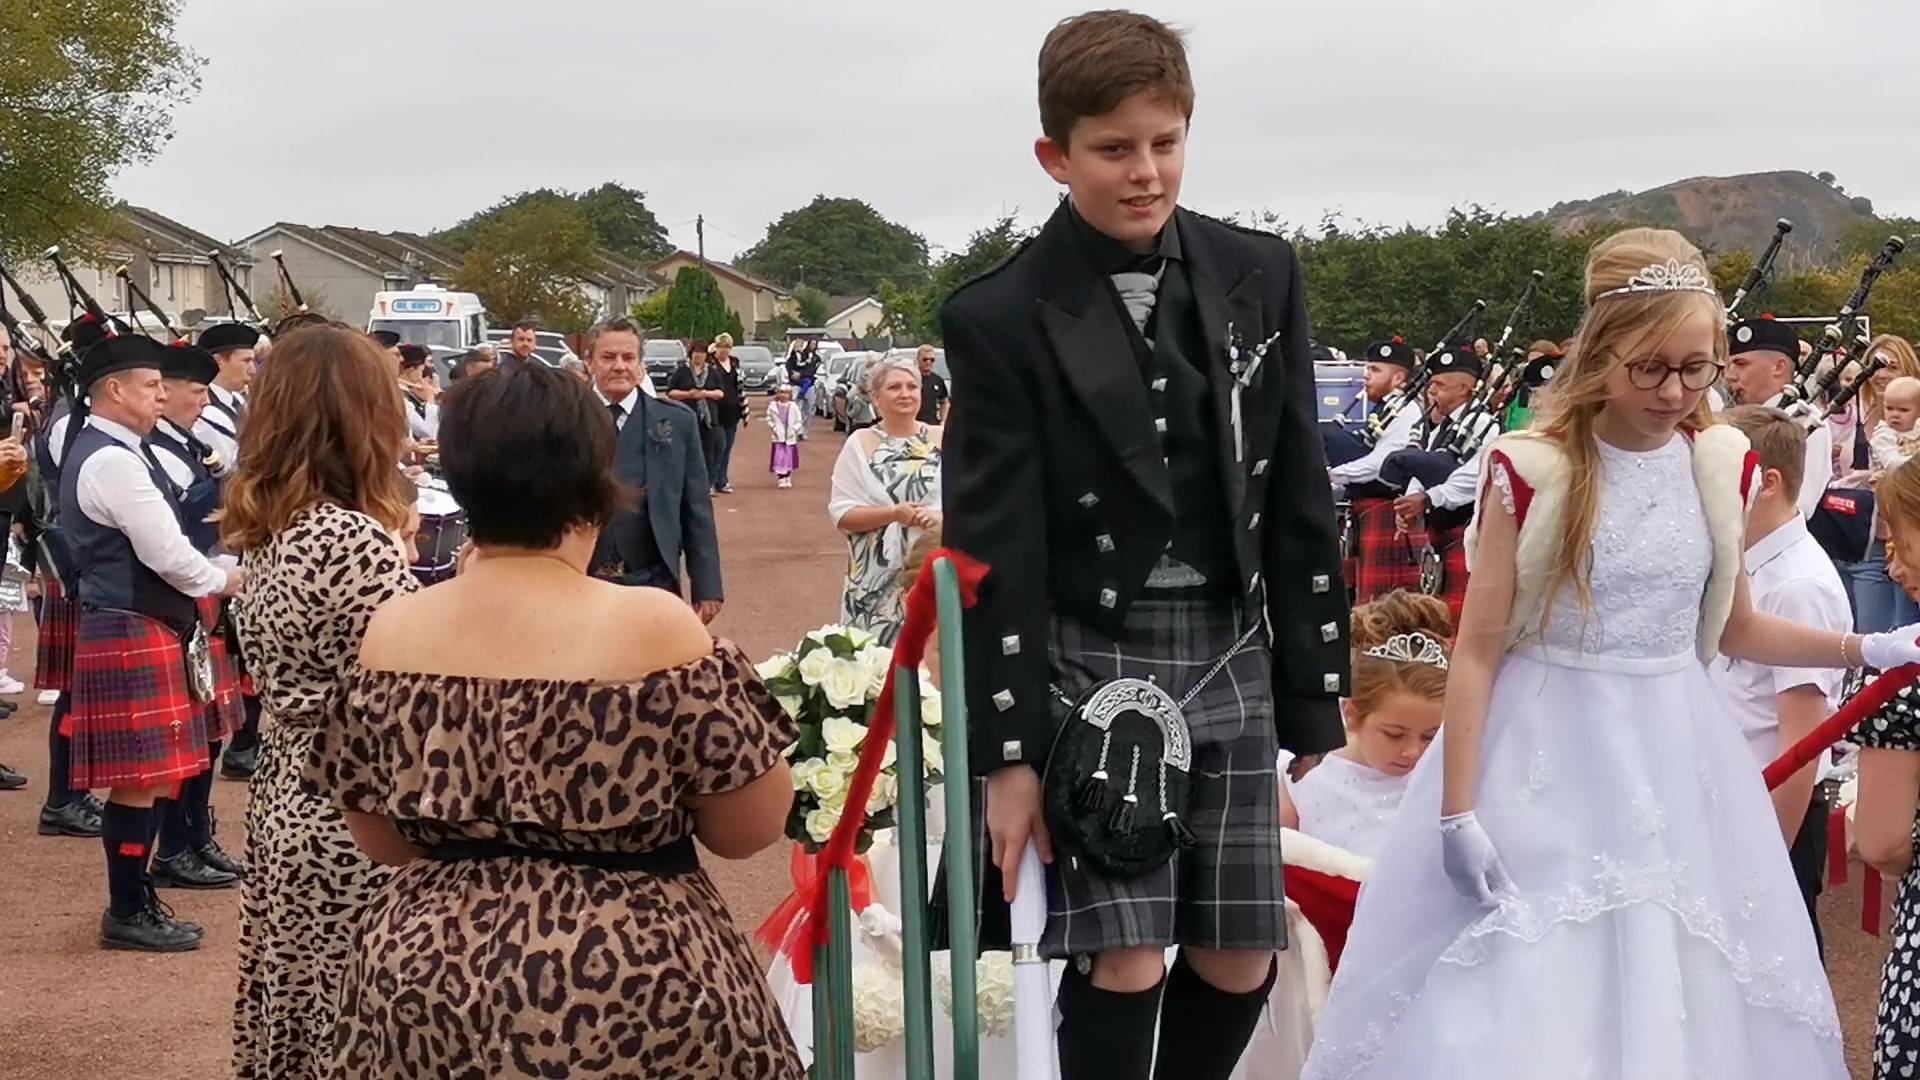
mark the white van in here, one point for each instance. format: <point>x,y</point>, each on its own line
<point>430,315</point>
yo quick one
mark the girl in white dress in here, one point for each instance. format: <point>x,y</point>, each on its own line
<point>1399,680</point>
<point>1586,880</point>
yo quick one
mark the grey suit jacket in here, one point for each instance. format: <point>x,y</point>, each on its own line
<point>659,450</point>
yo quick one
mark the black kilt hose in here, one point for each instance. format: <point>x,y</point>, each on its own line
<point>59,627</point>
<point>1224,892</point>
<point>1384,558</point>
<point>133,720</point>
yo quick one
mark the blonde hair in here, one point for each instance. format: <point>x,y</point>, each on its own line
<point>1375,678</point>
<point>722,338</point>
<point>1615,330</point>
<point>1900,360</point>
<point>918,553</point>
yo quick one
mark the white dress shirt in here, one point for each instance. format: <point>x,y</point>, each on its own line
<point>627,405</point>
<point>115,489</point>
<point>57,438</point>
<point>1789,575</point>
<point>177,470</point>
<point>216,428</point>
<point>418,426</point>
<point>1366,469</point>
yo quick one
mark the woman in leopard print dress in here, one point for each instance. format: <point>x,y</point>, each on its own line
<point>537,750</point>
<point>313,509</point>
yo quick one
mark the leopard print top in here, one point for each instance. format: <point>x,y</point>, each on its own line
<point>531,966</point>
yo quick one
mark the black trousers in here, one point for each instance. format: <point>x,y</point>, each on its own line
<point>1809,856</point>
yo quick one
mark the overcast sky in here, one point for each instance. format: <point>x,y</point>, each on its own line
<point>411,116</point>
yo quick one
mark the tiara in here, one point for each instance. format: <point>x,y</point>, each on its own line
<point>1414,648</point>
<point>1670,276</point>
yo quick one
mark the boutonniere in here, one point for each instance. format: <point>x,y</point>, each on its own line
<point>1244,364</point>
<point>662,433</point>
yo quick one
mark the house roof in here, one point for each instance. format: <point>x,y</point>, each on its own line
<point>161,237</point>
<point>406,254</point>
<point>721,268</point>
<point>843,306</point>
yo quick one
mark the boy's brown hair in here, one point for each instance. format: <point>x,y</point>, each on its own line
<point>1778,442</point>
<point>1090,63</point>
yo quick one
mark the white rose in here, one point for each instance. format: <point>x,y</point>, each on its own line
<point>844,683</point>
<point>777,666</point>
<point>813,666</point>
<point>820,824</point>
<point>842,734</point>
<point>930,711</point>
<point>886,790</point>
<point>802,772</point>
<point>821,635</point>
<point>827,782</point>
<point>843,760</point>
<point>877,662</point>
<point>930,752</point>
<point>791,705</point>
<point>836,800</point>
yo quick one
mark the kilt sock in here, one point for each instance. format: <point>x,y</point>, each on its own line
<point>127,832</point>
<point>60,757</point>
<point>185,823</point>
<point>1205,1029</point>
<point>1105,1034</point>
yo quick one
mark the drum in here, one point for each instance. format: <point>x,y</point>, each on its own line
<point>1341,389</point>
<point>443,529</point>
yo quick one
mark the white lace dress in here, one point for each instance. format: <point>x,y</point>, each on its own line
<point>1657,930</point>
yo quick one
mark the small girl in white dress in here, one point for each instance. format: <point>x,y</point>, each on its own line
<point>1399,681</point>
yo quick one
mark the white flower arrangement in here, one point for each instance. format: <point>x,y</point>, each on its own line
<point>992,989</point>
<point>829,684</point>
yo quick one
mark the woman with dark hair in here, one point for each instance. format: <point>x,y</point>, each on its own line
<point>699,385</point>
<point>313,509</point>
<point>536,750</point>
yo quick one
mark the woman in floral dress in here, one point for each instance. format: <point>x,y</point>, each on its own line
<point>886,488</point>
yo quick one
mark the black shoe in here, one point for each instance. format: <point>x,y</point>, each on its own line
<point>8,708</point>
<point>92,802</point>
<point>239,764</point>
<point>216,859</point>
<point>186,871</point>
<point>10,780</point>
<point>149,929</point>
<point>74,819</point>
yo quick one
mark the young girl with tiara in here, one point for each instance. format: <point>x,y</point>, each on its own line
<point>1399,681</point>
<point>1586,879</point>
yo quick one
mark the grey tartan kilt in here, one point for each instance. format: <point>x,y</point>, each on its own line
<point>1225,891</point>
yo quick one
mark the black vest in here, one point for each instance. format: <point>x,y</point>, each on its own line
<point>1176,370</point>
<point>221,417</point>
<point>111,575</point>
<point>202,497</point>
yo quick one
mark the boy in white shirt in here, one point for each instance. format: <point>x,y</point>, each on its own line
<point>1790,575</point>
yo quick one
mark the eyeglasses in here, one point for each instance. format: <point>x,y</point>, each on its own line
<point>1652,374</point>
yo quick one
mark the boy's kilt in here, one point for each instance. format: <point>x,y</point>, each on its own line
<point>225,713</point>
<point>134,721</point>
<point>59,625</point>
<point>1386,559</point>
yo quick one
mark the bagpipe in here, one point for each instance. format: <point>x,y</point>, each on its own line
<point>136,293</point>
<point>1505,365</point>
<point>232,287</point>
<point>1761,269</point>
<point>1840,345</point>
<point>1410,392</point>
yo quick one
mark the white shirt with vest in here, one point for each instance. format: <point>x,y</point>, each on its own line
<point>116,489</point>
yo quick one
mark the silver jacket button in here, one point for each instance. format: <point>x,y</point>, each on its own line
<point>1089,500</point>
<point>1331,682</point>
<point>1003,700</point>
<point>1010,750</point>
<point>1260,467</point>
<point>1329,631</point>
<point>1104,542</point>
<point>1322,582</point>
<point>1010,645</point>
<point>1109,598</point>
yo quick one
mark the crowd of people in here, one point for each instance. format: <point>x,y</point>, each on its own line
<point>473,807</point>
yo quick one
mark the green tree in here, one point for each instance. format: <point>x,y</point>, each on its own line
<point>913,310</point>
<point>839,245</point>
<point>618,216</point>
<point>87,87</point>
<point>528,262</point>
<point>697,309</point>
<point>651,313</point>
<point>812,305</point>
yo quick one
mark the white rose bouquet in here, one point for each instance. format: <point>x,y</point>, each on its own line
<point>829,684</point>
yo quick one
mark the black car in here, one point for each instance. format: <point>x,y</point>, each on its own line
<point>758,372</point>
<point>662,356</point>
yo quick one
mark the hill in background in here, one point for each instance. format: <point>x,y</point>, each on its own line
<point>1726,213</point>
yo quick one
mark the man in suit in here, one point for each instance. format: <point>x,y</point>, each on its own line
<point>1133,450</point>
<point>659,456</point>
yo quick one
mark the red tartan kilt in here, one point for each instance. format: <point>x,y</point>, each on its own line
<point>1452,547</point>
<point>225,713</point>
<point>59,625</point>
<point>133,720</point>
<point>1385,559</point>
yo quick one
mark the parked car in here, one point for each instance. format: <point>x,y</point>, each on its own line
<point>661,356</point>
<point>838,378</point>
<point>549,346</point>
<point>758,372</point>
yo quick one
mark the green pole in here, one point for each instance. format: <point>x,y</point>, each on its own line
<point>839,975</point>
<point>959,860</point>
<point>822,1017</point>
<point>911,835</point>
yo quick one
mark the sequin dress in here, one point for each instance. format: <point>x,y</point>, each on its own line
<point>1656,929</point>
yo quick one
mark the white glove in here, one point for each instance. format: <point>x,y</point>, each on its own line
<point>1884,652</point>
<point>1470,861</point>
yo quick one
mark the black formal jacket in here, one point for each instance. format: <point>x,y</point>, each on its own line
<point>1052,474</point>
<point>659,451</point>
